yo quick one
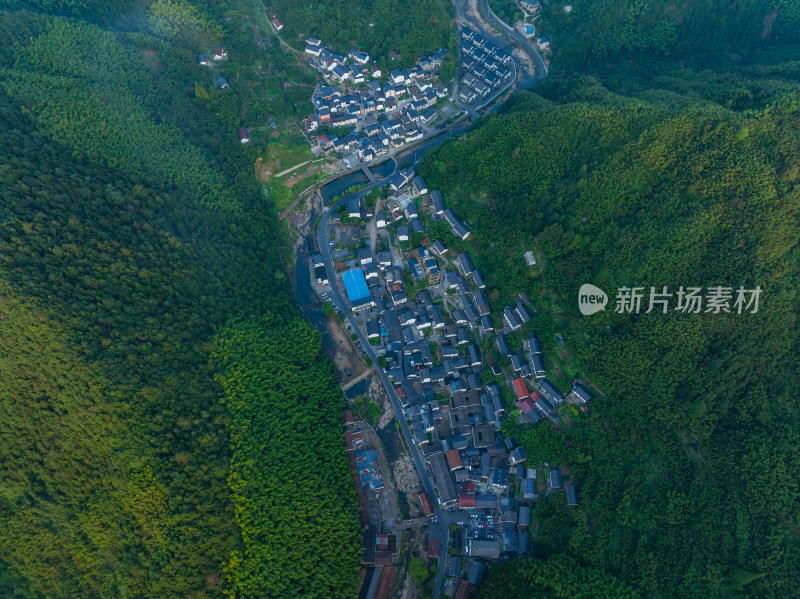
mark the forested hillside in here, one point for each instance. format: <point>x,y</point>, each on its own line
<point>411,28</point>
<point>137,261</point>
<point>280,387</point>
<point>688,466</point>
<point>602,34</point>
<point>556,577</point>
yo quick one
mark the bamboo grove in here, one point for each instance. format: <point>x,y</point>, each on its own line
<point>138,281</point>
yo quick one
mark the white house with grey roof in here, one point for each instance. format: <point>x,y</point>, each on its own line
<point>420,186</point>
<point>502,345</point>
<point>354,208</point>
<point>373,330</point>
<point>439,248</point>
<point>474,355</point>
<point>482,301</point>
<point>510,319</point>
<point>364,256</point>
<point>461,230</point>
<point>537,366</point>
<point>477,278</point>
<point>465,264</point>
<point>533,345</point>
<point>551,391</point>
<point>523,313</point>
<point>580,392</point>
<point>438,202</point>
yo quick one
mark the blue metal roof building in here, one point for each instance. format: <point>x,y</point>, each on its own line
<point>355,284</point>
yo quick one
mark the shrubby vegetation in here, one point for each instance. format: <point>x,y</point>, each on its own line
<point>687,468</point>
<point>181,21</point>
<point>137,259</point>
<point>507,10</point>
<point>87,8</point>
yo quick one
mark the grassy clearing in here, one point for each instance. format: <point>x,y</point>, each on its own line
<point>285,148</point>
<point>284,190</point>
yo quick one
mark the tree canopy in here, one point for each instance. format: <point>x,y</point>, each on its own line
<point>600,34</point>
<point>158,437</point>
<point>687,464</point>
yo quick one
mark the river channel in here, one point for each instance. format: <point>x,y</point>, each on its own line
<point>335,188</point>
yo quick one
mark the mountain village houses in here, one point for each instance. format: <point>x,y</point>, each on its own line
<point>459,363</point>
<point>426,312</point>
<point>382,116</point>
<point>487,67</point>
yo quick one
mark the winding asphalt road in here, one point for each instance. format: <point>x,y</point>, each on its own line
<point>503,26</point>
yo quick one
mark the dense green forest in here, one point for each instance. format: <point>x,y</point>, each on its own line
<point>688,464</point>
<point>154,432</point>
<point>604,34</point>
<point>410,28</point>
<point>280,387</point>
<point>556,577</point>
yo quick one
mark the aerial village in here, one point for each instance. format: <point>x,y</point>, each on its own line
<point>457,366</point>
<point>427,317</point>
<point>487,67</point>
<point>352,96</point>
<point>386,111</point>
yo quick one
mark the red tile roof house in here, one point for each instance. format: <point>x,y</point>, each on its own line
<point>426,504</point>
<point>466,501</point>
<point>525,405</point>
<point>434,541</point>
<point>464,590</point>
<point>520,388</point>
<point>454,459</point>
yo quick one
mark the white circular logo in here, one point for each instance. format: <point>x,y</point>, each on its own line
<point>591,299</point>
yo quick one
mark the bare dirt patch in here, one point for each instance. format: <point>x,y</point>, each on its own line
<point>264,170</point>
<point>151,59</point>
<point>417,548</point>
<point>302,174</point>
<point>377,391</point>
<point>769,21</point>
<point>557,370</point>
<point>407,481</point>
<point>346,359</point>
<point>525,60</point>
<point>384,507</point>
<point>300,218</point>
